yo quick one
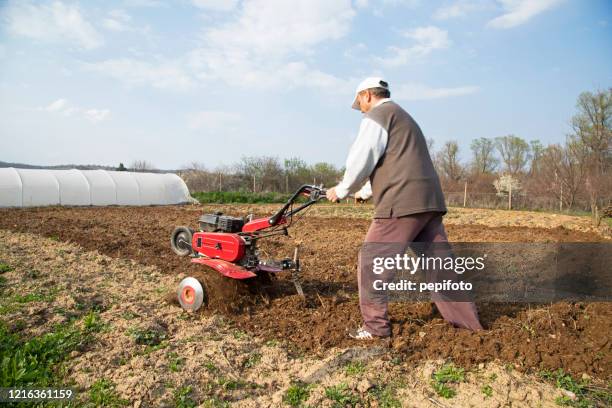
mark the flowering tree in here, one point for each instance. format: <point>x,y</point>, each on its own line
<point>505,184</point>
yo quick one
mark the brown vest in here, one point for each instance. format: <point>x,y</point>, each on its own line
<point>404,180</point>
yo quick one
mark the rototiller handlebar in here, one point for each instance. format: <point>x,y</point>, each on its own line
<point>313,193</point>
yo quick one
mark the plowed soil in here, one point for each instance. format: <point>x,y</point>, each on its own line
<point>574,337</point>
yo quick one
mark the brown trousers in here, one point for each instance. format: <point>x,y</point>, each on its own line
<point>424,227</point>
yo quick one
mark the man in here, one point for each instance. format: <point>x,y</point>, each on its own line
<point>391,151</point>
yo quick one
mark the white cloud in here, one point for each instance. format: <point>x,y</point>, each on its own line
<point>238,69</point>
<point>420,92</point>
<point>215,5</point>
<point>159,74</point>
<point>144,3</point>
<point>213,120</point>
<point>429,38</point>
<point>63,107</point>
<point>276,28</point>
<point>269,41</point>
<point>425,40</point>
<point>117,20</point>
<point>96,115</point>
<point>380,7</point>
<point>517,12</point>
<point>56,106</point>
<point>54,23</point>
<point>120,21</point>
<point>382,3</point>
<point>457,8</point>
<point>265,44</point>
<point>356,50</point>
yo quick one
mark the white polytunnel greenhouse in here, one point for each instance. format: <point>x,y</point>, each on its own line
<point>34,188</point>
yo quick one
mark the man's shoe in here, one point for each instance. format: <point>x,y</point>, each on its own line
<point>361,334</point>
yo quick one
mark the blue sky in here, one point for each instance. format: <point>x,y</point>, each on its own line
<point>175,82</point>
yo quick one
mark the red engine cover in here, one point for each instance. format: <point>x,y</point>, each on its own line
<point>221,245</point>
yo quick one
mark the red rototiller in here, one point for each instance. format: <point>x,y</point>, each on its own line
<point>229,245</point>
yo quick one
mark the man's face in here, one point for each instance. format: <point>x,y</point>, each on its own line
<point>365,101</point>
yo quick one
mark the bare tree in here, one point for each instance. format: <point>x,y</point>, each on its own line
<point>142,166</point>
<point>561,173</point>
<point>592,131</point>
<point>447,161</point>
<point>430,145</point>
<point>196,177</point>
<point>261,173</point>
<point>536,154</point>
<point>297,173</point>
<point>484,160</point>
<point>592,125</point>
<point>325,173</point>
<point>514,152</point>
<point>225,179</point>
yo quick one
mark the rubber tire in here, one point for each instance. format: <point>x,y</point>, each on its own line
<point>184,234</point>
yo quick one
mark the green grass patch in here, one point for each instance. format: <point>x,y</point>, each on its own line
<point>587,395</point>
<point>151,349</point>
<point>239,334</point>
<point>354,368</point>
<point>210,367</point>
<point>147,336</point>
<point>129,315</point>
<point>253,360</point>
<point>342,396</point>
<point>31,297</point>
<point>297,394</point>
<point>5,267</point>
<point>92,322</point>
<point>12,303</point>
<point>231,384</point>
<point>385,396</point>
<point>272,343</point>
<point>487,390</point>
<point>183,398</point>
<point>103,394</point>
<point>215,402</point>
<point>241,197</point>
<point>176,363</point>
<point>443,377</point>
<point>37,361</point>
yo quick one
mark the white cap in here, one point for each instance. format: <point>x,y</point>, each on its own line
<point>371,82</point>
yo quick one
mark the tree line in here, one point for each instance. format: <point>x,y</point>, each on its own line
<point>260,175</point>
<point>574,175</point>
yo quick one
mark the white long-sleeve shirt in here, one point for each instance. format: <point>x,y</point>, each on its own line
<point>366,151</point>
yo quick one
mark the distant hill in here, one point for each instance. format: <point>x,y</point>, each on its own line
<point>72,166</point>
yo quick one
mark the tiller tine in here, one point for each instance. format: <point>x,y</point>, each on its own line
<point>295,272</point>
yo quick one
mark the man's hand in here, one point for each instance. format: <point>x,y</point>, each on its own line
<point>331,195</point>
